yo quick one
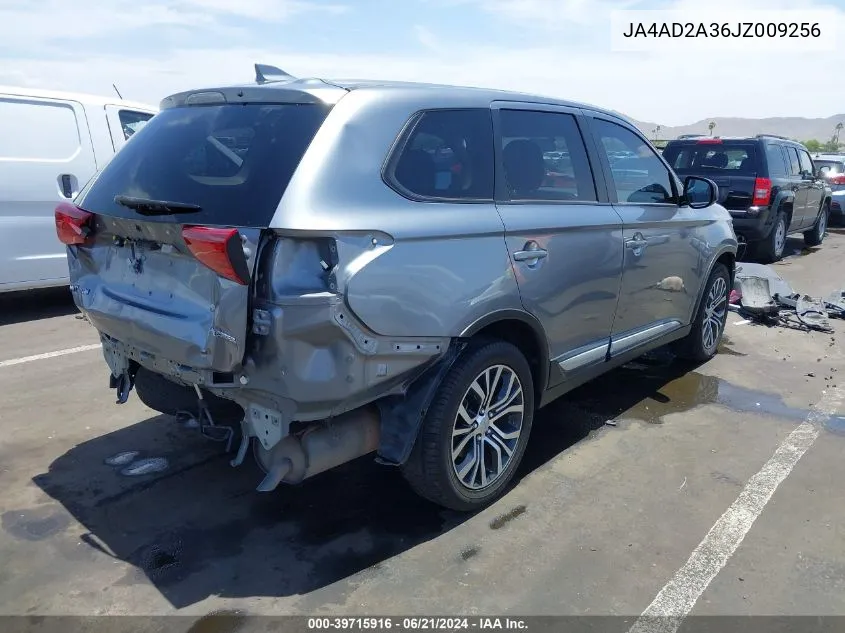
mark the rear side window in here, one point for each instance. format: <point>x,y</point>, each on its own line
<point>447,156</point>
<point>794,163</point>
<point>37,130</point>
<point>713,158</point>
<point>774,157</point>
<point>543,157</point>
<point>234,161</point>
<point>131,122</point>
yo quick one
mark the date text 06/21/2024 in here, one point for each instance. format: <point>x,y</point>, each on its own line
<point>415,624</point>
<point>723,29</point>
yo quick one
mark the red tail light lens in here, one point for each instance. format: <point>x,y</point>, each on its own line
<point>839,179</point>
<point>219,249</point>
<point>74,226</point>
<point>762,192</point>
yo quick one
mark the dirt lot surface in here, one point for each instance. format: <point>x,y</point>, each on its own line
<point>718,491</point>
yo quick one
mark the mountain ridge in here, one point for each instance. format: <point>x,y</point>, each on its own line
<point>800,128</point>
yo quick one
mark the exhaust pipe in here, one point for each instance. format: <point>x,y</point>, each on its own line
<point>320,448</point>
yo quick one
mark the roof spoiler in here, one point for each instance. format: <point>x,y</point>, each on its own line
<point>266,74</point>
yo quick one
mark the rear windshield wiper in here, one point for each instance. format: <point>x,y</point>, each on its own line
<point>145,206</point>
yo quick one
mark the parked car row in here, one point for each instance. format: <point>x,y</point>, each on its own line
<point>769,184</point>
<point>51,144</point>
<point>339,268</point>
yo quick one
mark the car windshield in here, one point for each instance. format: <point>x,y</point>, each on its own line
<point>713,157</point>
<point>232,161</point>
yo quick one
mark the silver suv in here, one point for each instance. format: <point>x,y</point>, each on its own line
<point>331,269</point>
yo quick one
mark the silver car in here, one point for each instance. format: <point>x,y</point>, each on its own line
<point>331,269</point>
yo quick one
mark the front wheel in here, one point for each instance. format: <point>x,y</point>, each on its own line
<point>708,326</point>
<point>815,236</point>
<point>476,429</point>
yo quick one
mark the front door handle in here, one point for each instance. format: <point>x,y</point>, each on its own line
<point>526,256</point>
<point>66,184</point>
<point>635,244</point>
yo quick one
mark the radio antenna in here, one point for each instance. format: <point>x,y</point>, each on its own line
<point>117,91</point>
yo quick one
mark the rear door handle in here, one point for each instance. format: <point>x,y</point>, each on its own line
<point>526,256</point>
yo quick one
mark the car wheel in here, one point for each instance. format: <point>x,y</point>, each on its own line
<point>702,342</point>
<point>476,429</point>
<point>815,236</point>
<point>771,249</point>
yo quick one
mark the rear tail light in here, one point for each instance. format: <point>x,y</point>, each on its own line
<point>762,192</point>
<point>74,226</point>
<point>219,249</point>
<point>838,179</point>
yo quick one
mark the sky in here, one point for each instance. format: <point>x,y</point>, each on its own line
<point>560,48</point>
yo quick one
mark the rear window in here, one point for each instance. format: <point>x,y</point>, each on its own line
<point>832,167</point>
<point>713,158</point>
<point>234,161</point>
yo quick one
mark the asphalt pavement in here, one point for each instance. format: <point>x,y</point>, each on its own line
<point>716,490</point>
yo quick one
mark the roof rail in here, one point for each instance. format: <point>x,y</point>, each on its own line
<point>785,138</point>
<point>265,73</point>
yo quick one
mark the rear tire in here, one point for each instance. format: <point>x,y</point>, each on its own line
<point>815,236</point>
<point>771,249</point>
<point>461,435</point>
<point>169,398</point>
<point>708,326</point>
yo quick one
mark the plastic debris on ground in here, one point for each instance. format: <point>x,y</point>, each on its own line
<point>763,296</point>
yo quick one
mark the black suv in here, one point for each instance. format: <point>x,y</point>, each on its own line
<point>767,183</point>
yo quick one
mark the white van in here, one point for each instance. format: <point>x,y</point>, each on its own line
<point>51,144</point>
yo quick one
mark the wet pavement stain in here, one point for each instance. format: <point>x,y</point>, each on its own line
<point>503,519</point>
<point>693,390</point>
<point>222,621</point>
<point>726,347</point>
<point>469,552</point>
<point>35,524</point>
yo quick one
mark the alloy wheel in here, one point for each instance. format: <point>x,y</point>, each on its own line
<point>715,311</point>
<point>487,427</point>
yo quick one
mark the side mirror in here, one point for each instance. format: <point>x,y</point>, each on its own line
<point>699,193</point>
<point>807,175</point>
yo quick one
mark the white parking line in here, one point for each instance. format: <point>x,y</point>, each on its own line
<point>675,601</point>
<point>61,352</point>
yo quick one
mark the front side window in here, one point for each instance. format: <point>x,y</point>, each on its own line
<point>543,157</point>
<point>448,156</point>
<point>805,161</point>
<point>638,175</point>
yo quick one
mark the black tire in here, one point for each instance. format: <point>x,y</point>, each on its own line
<point>815,235</point>
<point>430,469</point>
<point>169,398</point>
<point>771,249</point>
<point>693,346</point>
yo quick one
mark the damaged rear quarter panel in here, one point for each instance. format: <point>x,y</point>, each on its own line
<point>446,265</point>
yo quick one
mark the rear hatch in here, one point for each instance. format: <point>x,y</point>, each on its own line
<point>162,244</point>
<point>732,164</point>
